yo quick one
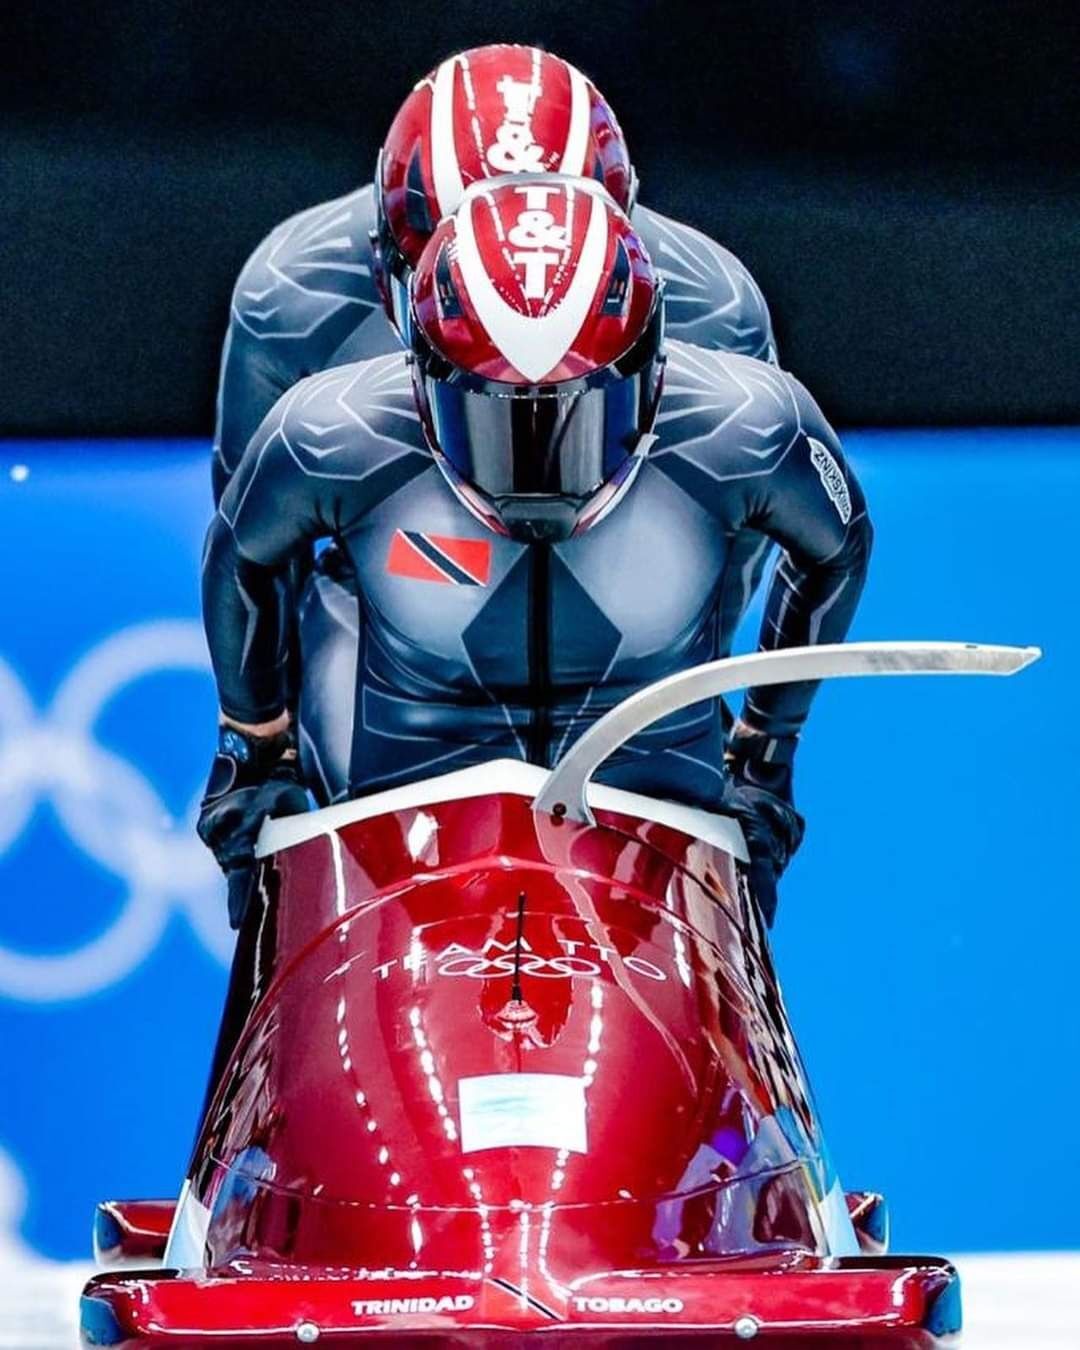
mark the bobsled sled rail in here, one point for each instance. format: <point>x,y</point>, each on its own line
<point>564,791</point>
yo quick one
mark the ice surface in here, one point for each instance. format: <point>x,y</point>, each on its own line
<point>39,1304</point>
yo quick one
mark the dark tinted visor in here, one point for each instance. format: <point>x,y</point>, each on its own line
<point>566,444</point>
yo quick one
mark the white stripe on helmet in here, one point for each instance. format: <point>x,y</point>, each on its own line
<point>577,137</point>
<point>445,168</point>
<point>483,187</point>
<point>533,346</point>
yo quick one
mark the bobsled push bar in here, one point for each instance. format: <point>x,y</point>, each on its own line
<point>564,792</point>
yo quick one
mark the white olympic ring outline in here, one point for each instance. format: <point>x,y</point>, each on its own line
<point>108,809</point>
<point>471,967</point>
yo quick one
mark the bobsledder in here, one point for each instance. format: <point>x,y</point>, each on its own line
<point>505,1057</point>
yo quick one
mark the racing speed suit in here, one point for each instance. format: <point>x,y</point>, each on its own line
<point>477,646</point>
<point>306,301</point>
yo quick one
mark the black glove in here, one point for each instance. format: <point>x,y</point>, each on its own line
<point>252,777</point>
<point>757,792</point>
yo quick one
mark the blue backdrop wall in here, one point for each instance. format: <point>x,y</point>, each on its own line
<point>928,934</point>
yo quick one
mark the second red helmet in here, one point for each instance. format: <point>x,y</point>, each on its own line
<point>486,112</point>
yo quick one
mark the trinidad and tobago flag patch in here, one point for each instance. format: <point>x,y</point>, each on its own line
<point>437,557</point>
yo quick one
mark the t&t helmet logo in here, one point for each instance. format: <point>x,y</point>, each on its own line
<point>540,242</point>
<point>514,149</point>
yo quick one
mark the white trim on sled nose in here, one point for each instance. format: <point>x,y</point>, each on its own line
<point>500,776</point>
<point>565,792</point>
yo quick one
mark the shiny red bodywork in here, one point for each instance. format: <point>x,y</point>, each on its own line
<point>394,958</point>
<point>132,1231</point>
<point>129,1232</point>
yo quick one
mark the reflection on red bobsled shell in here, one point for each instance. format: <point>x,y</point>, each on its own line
<point>487,1073</point>
<point>504,1056</point>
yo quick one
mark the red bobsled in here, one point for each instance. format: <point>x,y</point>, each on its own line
<point>499,1064</point>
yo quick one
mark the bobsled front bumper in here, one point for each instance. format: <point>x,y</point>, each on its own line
<point>894,1303</point>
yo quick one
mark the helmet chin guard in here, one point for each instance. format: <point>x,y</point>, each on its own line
<point>538,519</point>
<point>537,334</point>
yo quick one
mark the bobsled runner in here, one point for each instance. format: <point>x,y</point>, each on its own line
<point>505,1062</point>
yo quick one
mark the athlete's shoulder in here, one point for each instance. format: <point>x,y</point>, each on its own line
<point>710,298</point>
<point>351,418</point>
<point>308,268</point>
<point>331,447</point>
<point>730,429</point>
<point>725,403</point>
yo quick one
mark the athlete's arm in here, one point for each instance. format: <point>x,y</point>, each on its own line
<point>813,506</point>
<point>276,503</point>
<point>270,509</point>
<point>250,382</point>
<point>258,362</point>
<point>335,445</point>
<point>298,297</point>
<point>243,576</point>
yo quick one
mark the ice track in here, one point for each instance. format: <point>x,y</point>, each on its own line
<point>1011,1302</point>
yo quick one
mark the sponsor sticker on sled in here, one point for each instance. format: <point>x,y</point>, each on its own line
<point>402,1307</point>
<point>575,960</point>
<point>631,1306</point>
<point>459,962</point>
<point>507,1110</point>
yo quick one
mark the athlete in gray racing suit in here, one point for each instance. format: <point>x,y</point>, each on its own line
<point>312,296</point>
<point>306,302</point>
<point>478,646</point>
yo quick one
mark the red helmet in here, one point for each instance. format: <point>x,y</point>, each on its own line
<point>537,327</point>
<point>490,111</point>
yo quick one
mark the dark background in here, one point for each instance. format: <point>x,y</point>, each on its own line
<point>897,175</point>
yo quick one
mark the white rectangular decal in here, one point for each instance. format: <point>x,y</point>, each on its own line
<point>542,1110</point>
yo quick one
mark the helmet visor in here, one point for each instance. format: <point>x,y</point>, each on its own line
<point>567,444</point>
<point>541,458</point>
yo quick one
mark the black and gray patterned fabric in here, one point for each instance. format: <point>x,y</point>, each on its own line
<point>474,646</point>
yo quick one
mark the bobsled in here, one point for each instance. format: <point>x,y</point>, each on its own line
<point>505,1062</point>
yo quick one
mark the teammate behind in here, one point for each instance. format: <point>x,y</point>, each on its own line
<point>324,288</point>
<point>327,287</point>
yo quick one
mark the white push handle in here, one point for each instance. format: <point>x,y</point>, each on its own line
<point>564,791</point>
